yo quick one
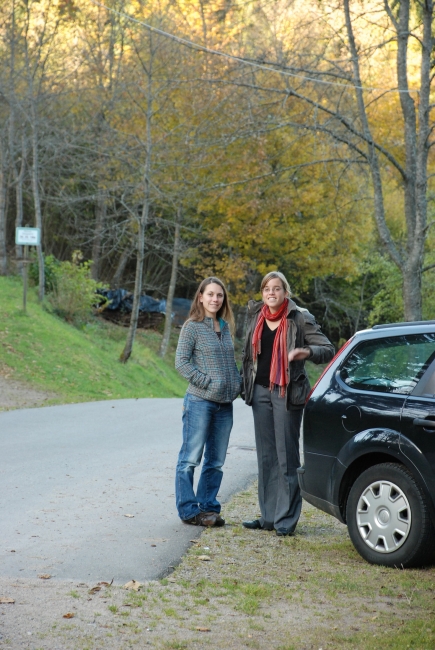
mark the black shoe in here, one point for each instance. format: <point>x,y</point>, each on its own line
<point>253,525</point>
<point>284,532</point>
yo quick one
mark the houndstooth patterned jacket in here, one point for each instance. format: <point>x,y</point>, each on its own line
<point>208,361</point>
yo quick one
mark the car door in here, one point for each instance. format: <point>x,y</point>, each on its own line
<point>360,409</point>
<point>417,440</point>
<point>367,392</point>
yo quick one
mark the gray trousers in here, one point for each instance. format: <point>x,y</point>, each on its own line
<point>277,442</point>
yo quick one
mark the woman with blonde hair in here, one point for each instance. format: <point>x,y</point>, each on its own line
<point>205,356</point>
<point>280,336</point>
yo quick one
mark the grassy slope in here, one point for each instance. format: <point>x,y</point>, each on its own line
<point>82,364</point>
<point>78,364</point>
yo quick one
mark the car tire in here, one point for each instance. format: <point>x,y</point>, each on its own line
<point>388,519</point>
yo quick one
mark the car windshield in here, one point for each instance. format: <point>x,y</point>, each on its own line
<point>390,365</point>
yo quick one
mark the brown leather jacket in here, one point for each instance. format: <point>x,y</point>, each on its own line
<point>303,332</point>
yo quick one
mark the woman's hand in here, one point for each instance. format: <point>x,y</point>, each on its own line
<point>298,354</point>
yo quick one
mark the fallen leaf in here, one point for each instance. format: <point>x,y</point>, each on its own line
<point>203,629</point>
<point>44,576</point>
<point>129,516</point>
<point>154,545</point>
<point>204,558</point>
<point>133,584</point>
<point>94,590</point>
<point>4,600</point>
<point>106,584</point>
<point>68,615</point>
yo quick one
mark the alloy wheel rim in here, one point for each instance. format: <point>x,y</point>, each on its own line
<point>383,516</point>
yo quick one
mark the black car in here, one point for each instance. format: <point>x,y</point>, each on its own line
<point>369,443</point>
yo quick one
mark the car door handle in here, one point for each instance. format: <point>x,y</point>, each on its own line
<point>427,424</point>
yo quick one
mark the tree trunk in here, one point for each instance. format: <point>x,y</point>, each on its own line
<point>37,204</point>
<point>122,263</point>
<point>416,141</point>
<point>3,194</point>
<point>100,219</point>
<point>411,291</point>
<point>146,208</point>
<point>18,178</point>
<point>126,353</point>
<point>171,291</point>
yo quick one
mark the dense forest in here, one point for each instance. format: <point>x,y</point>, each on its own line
<point>172,139</point>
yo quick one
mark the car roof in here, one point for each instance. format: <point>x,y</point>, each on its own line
<point>408,324</point>
<point>397,329</point>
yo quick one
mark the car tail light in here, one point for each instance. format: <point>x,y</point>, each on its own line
<point>343,347</point>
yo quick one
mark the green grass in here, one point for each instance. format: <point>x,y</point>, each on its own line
<point>79,364</point>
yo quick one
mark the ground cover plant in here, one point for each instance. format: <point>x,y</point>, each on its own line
<point>78,363</point>
<point>237,588</point>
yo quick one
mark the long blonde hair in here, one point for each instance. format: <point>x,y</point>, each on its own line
<point>197,312</point>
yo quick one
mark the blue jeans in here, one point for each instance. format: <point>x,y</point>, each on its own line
<point>206,428</point>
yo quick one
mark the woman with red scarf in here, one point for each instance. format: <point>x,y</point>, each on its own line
<point>279,337</point>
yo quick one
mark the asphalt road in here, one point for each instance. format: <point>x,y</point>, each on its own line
<point>87,490</point>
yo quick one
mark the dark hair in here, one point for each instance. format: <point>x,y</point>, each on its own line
<point>197,312</point>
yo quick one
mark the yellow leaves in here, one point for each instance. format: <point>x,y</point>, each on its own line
<point>306,228</point>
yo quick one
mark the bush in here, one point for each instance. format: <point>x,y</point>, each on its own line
<point>73,294</point>
<point>50,266</point>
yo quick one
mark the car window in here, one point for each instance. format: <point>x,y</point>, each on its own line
<point>390,365</point>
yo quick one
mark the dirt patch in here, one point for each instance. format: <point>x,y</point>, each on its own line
<point>235,588</point>
<point>17,395</point>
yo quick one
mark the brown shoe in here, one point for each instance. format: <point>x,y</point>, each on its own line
<point>203,519</point>
<point>208,518</point>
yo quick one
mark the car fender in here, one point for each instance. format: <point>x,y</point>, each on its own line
<point>376,442</point>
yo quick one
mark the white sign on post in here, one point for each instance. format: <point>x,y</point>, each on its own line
<point>27,236</point>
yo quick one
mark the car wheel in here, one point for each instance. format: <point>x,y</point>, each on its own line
<point>388,519</point>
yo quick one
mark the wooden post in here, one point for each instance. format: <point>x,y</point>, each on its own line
<point>25,261</point>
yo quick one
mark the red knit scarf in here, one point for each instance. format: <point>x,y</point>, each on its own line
<point>279,364</point>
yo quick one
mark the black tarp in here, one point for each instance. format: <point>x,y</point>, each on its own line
<point>122,300</point>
